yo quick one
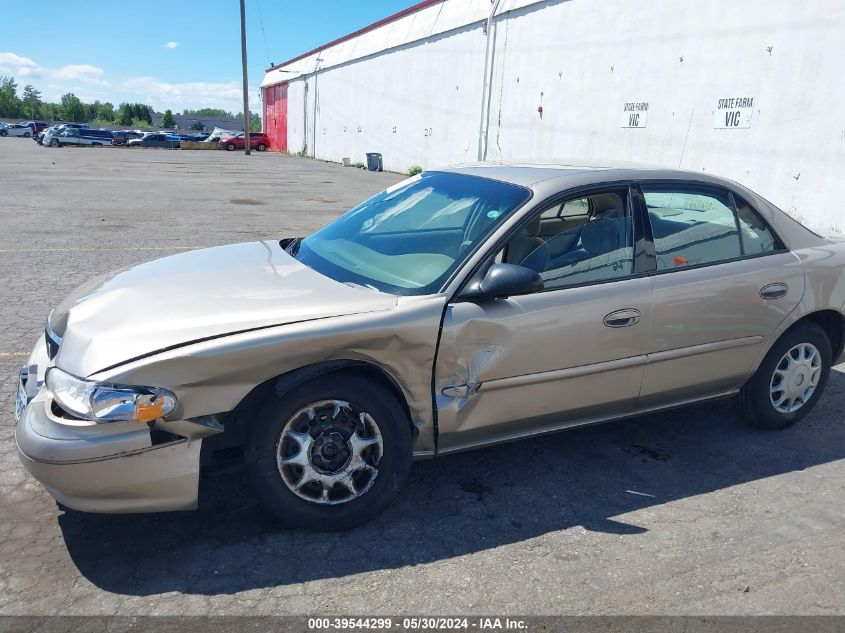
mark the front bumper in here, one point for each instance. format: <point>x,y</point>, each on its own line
<point>104,467</point>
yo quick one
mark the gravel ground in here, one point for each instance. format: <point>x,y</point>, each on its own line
<point>687,512</point>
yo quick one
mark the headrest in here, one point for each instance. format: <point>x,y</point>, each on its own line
<point>533,227</point>
<point>606,202</point>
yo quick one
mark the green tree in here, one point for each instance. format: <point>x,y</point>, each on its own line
<point>31,100</point>
<point>105,112</point>
<point>167,120</point>
<point>212,113</point>
<point>49,111</point>
<point>122,116</point>
<point>254,121</point>
<point>72,109</point>
<point>10,105</point>
<point>198,126</point>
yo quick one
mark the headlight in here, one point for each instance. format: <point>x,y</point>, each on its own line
<point>103,402</point>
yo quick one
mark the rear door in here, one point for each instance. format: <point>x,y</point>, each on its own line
<point>723,283</point>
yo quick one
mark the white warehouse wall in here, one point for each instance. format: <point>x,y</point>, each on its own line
<point>419,102</point>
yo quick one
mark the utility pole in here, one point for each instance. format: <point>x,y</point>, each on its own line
<point>245,81</point>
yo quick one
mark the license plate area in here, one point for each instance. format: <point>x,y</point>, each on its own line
<point>27,388</point>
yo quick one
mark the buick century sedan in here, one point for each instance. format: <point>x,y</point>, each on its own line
<point>459,308</point>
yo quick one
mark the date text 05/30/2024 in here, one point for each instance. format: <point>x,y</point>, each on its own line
<point>416,624</point>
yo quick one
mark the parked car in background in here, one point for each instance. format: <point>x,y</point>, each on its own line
<point>459,308</point>
<point>36,126</point>
<point>121,137</point>
<point>156,139</point>
<point>194,138</point>
<point>16,129</point>
<point>58,137</point>
<point>257,140</point>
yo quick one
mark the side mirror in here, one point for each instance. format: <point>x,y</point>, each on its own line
<point>505,280</point>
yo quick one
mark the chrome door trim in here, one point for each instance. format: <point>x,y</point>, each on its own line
<point>560,374</point>
<point>703,348</point>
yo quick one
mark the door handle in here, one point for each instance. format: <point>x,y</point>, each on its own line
<point>774,291</point>
<point>622,318</point>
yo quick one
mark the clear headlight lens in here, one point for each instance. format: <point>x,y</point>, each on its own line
<point>102,402</point>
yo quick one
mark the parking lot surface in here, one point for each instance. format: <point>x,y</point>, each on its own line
<point>685,512</point>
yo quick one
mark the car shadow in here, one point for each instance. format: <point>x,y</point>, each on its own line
<point>455,505</point>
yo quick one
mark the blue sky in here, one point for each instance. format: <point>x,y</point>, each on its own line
<point>170,54</point>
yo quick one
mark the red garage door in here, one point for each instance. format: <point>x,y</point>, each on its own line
<point>276,116</point>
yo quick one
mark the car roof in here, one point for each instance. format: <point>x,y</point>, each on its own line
<point>549,178</point>
<point>527,174</point>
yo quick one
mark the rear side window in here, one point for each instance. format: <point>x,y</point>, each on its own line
<point>691,226</point>
<point>756,236</point>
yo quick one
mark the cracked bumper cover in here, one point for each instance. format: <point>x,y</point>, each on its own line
<point>111,467</point>
<point>98,469</point>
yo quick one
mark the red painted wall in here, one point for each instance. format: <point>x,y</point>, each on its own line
<point>276,116</point>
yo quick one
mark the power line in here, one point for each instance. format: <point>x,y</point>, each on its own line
<point>263,33</point>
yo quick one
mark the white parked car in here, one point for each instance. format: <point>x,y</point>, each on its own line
<point>58,137</point>
<point>15,129</point>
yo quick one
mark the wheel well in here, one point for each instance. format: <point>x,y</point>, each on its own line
<point>241,418</point>
<point>832,323</point>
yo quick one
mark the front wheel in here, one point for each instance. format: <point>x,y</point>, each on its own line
<point>230,147</point>
<point>331,454</point>
<point>55,143</point>
<point>790,379</point>
<point>4,133</point>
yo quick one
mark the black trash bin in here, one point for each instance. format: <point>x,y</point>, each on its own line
<point>374,162</point>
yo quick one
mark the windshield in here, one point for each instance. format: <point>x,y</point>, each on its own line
<point>409,239</point>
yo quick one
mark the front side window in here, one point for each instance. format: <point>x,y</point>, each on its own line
<point>411,237</point>
<point>595,244</point>
<point>691,226</point>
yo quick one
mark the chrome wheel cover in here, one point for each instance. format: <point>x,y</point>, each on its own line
<point>329,452</point>
<point>795,378</point>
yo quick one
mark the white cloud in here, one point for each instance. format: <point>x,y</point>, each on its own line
<point>90,82</point>
<point>71,77</point>
<point>170,45</point>
<point>195,94</point>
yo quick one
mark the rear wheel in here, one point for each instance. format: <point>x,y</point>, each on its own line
<point>331,454</point>
<point>230,147</point>
<point>261,147</point>
<point>26,134</point>
<point>790,380</point>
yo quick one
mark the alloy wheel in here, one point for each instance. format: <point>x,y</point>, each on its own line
<point>329,452</point>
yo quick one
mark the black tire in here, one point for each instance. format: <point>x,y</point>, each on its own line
<point>230,147</point>
<point>755,400</point>
<point>26,134</point>
<point>261,147</point>
<point>4,133</point>
<point>55,143</point>
<point>393,465</point>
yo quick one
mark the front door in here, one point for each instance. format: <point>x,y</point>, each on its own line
<point>569,354</point>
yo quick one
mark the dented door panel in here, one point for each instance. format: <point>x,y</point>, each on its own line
<point>528,364</point>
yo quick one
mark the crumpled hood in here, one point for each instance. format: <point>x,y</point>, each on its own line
<point>195,295</point>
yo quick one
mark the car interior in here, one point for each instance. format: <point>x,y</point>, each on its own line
<point>576,241</point>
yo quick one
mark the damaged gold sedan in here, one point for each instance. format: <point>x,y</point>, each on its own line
<point>459,308</point>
